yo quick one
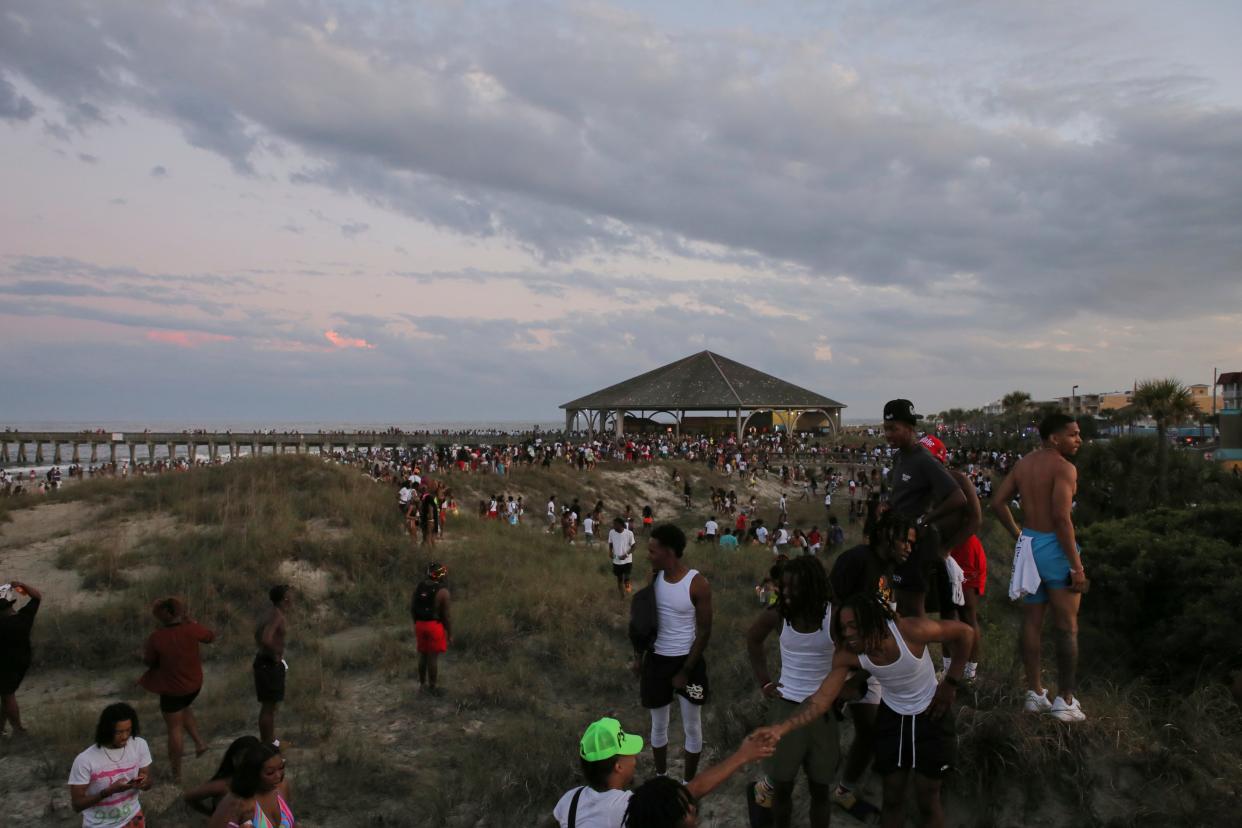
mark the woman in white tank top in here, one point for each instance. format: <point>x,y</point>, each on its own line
<point>802,614</point>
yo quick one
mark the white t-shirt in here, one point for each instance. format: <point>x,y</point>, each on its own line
<point>761,534</point>
<point>405,495</point>
<point>595,809</point>
<point>97,768</point>
<point>711,528</point>
<point>622,544</point>
<point>588,526</point>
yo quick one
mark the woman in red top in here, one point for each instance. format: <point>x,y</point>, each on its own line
<point>176,674</point>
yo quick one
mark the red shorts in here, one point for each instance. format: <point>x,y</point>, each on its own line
<point>648,521</point>
<point>430,636</point>
<point>974,562</point>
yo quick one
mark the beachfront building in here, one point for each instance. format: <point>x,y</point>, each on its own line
<point>704,392</point>
<point>1229,420</point>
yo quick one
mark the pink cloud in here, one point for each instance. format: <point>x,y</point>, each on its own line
<point>186,339</point>
<point>345,341</point>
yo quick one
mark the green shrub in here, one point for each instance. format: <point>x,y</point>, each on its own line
<point>1166,591</point>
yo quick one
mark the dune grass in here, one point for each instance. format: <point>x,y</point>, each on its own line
<point>539,651</point>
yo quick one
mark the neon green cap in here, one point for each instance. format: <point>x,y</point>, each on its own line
<point>605,739</point>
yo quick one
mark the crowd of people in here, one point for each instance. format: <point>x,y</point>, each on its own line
<point>855,636</point>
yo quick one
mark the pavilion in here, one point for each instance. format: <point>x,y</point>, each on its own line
<point>705,382</point>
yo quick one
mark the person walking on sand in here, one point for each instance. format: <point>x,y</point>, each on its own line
<point>15,651</point>
<point>621,544</point>
<point>1046,481</point>
<point>270,666</point>
<point>106,777</point>
<point>433,629</point>
<point>676,666</point>
<point>175,672</point>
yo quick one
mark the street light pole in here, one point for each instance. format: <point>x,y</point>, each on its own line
<point>1074,400</point>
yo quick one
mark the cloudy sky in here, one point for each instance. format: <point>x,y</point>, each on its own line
<point>395,212</point>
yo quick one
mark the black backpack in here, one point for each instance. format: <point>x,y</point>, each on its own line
<point>644,619</point>
<point>423,606</point>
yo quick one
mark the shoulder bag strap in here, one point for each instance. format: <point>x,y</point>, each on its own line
<point>573,807</point>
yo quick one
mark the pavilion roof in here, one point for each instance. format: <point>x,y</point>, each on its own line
<point>704,381</point>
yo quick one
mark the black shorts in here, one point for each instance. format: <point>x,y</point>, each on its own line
<point>622,570</point>
<point>11,676</point>
<point>175,704</point>
<point>920,743</point>
<point>940,592</point>
<point>269,679</point>
<point>655,687</point>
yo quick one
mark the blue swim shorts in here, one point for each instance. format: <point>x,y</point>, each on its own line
<point>1050,560</point>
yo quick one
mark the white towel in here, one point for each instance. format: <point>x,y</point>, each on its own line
<point>1025,578</point>
<point>956,577</point>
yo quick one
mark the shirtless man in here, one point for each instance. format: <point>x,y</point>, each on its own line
<point>1046,481</point>
<point>269,662</point>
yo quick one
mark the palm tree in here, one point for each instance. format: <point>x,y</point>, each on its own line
<point>1168,402</point>
<point>1015,403</point>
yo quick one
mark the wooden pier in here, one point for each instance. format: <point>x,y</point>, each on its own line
<point>40,448</point>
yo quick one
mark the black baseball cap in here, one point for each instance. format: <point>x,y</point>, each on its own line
<point>901,411</point>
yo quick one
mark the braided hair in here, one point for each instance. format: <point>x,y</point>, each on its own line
<point>661,802</point>
<point>871,615</point>
<point>811,592</point>
<point>885,530</point>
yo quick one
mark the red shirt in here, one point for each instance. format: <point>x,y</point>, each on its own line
<point>172,655</point>
<point>813,538</point>
<point>741,521</point>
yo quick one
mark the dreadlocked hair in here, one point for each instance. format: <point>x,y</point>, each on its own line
<point>871,615</point>
<point>661,802</point>
<point>811,592</point>
<point>885,529</point>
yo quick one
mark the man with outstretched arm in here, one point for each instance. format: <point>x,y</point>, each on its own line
<point>1046,481</point>
<point>914,728</point>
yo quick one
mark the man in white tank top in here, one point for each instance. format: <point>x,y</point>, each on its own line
<point>675,665</point>
<point>914,728</point>
<point>802,616</point>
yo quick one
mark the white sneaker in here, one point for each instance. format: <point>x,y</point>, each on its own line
<point>1037,702</point>
<point>1063,712</point>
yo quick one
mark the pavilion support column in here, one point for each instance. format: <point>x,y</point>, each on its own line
<point>21,452</point>
<point>130,446</point>
<point>39,453</point>
<point>112,453</point>
<point>4,452</point>
<point>172,451</point>
<point>94,452</point>
<point>211,451</point>
<point>619,423</point>
<point>739,425</point>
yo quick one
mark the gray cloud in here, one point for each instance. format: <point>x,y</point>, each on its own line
<point>14,106</point>
<point>87,158</point>
<point>159,171</point>
<point>621,137</point>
